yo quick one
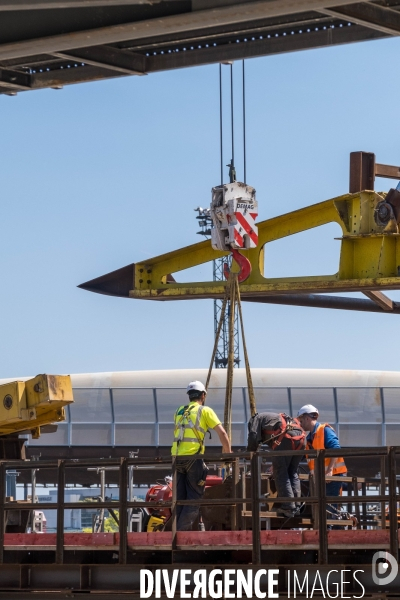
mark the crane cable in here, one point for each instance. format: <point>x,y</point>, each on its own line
<point>244,122</point>
<point>220,126</point>
<point>232,290</point>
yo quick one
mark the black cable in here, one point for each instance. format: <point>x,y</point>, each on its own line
<point>220,124</point>
<point>244,124</point>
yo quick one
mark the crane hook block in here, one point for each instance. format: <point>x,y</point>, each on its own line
<point>234,209</point>
<point>244,264</point>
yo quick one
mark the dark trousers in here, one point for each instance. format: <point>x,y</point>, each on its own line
<point>188,488</point>
<point>333,488</point>
<point>286,474</point>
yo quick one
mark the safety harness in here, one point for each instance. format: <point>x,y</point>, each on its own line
<point>283,430</point>
<point>188,424</point>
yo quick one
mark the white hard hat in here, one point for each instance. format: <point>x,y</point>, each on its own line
<point>196,386</point>
<point>307,409</point>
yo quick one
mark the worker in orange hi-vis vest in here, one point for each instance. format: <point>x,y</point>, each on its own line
<point>322,436</point>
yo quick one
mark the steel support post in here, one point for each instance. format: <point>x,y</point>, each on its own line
<point>314,507</point>
<point>2,512</point>
<point>364,505</point>
<point>33,482</point>
<point>31,520</point>
<point>356,504</point>
<point>60,512</point>
<point>394,525</point>
<point>173,507</point>
<point>362,171</point>
<point>383,491</point>
<point>130,497</point>
<point>255,510</point>
<point>235,511</point>
<point>103,497</point>
<point>321,492</point>
<point>243,494</point>
<point>350,488</point>
<point>123,511</point>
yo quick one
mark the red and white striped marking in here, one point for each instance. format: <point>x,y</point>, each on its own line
<point>246,231</point>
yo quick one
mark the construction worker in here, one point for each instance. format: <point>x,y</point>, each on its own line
<point>280,432</point>
<point>322,436</point>
<point>192,421</point>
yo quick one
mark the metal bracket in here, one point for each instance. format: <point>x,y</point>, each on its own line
<point>364,169</point>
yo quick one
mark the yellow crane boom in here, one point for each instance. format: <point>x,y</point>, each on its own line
<point>35,403</point>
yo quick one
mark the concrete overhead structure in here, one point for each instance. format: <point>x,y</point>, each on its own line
<point>52,43</point>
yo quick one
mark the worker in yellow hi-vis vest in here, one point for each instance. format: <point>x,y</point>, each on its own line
<point>192,421</point>
<point>322,436</point>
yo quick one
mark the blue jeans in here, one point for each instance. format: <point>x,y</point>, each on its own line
<point>188,488</point>
<point>286,475</point>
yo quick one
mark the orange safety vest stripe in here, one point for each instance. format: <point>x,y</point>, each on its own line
<point>319,444</point>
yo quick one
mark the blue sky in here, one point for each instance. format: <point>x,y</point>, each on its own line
<point>100,175</point>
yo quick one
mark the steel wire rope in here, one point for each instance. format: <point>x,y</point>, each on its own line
<point>231,354</point>
<point>218,333</point>
<point>244,122</point>
<point>220,126</point>
<point>250,388</point>
<point>232,290</point>
<point>232,294</point>
<point>232,121</point>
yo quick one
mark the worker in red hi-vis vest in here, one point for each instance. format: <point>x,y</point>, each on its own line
<point>322,436</point>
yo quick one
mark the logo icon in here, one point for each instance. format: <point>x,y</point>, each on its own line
<point>381,573</point>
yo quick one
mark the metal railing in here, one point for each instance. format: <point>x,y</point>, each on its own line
<point>319,501</point>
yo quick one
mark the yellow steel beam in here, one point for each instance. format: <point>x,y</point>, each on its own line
<point>369,256</point>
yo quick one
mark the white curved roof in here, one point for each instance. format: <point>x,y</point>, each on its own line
<point>261,378</point>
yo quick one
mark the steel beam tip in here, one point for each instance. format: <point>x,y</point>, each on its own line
<point>117,283</point>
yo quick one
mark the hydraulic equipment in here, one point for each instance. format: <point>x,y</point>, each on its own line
<point>34,405</point>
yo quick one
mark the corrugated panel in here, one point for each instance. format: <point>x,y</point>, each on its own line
<point>322,399</point>
<point>87,434</point>
<point>133,405</point>
<point>392,405</point>
<point>91,405</point>
<point>132,434</point>
<point>360,435</point>
<point>272,400</point>
<point>59,438</point>
<point>359,405</point>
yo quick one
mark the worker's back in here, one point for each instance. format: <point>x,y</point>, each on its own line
<point>191,424</point>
